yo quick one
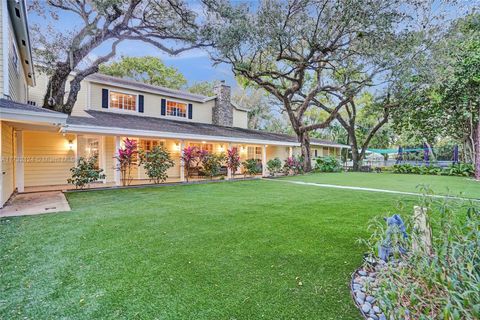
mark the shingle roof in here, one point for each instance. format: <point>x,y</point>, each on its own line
<point>135,122</point>
<point>114,81</point>
<point>9,104</point>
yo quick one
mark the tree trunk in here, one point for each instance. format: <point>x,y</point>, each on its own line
<point>355,158</point>
<point>305,145</point>
<point>477,147</point>
<point>56,87</point>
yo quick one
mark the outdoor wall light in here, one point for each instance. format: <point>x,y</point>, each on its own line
<point>70,144</point>
<point>177,146</point>
<point>204,142</point>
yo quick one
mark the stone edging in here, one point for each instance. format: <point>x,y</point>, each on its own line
<point>365,303</point>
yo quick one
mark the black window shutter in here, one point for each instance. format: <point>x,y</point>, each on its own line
<point>104,98</point>
<point>140,103</point>
<point>190,111</point>
<point>164,107</point>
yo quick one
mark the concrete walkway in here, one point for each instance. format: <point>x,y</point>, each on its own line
<point>369,189</point>
<point>26,204</point>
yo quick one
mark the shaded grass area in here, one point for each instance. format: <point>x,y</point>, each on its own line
<point>240,250</point>
<point>441,185</point>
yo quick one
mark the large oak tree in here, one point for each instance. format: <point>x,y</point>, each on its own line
<point>292,49</point>
<point>68,55</point>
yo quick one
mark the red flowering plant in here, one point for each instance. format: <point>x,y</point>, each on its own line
<point>233,160</point>
<point>126,159</point>
<point>189,157</point>
<point>292,166</point>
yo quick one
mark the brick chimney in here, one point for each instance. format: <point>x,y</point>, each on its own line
<point>222,112</point>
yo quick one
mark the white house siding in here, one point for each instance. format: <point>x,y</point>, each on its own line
<point>37,93</point>
<point>202,112</point>
<point>240,118</point>
<point>8,165</point>
<point>48,158</point>
<point>17,82</point>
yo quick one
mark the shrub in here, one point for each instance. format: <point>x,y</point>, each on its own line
<point>156,163</point>
<point>460,169</point>
<point>212,163</point>
<point>85,172</point>
<point>250,167</point>
<point>327,164</point>
<point>274,166</point>
<point>442,283</point>
<point>292,165</point>
<point>233,160</point>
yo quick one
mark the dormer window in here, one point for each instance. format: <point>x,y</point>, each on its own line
<point>176,109</point>
<point>123,101</point>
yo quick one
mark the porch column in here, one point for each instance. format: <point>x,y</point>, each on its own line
<point>182,164</point>
<point>103,157</point>
<point>290,152</point>
<point>264,161</point>
<point>117,176</point>
<point>229,171</point>
<point>19,164</point>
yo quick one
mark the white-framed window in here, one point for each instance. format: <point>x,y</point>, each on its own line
<point>202,146</point>
<point>254,152</point>
<point>148,145</point>
<point>176,109</point>
<point>123,101</point>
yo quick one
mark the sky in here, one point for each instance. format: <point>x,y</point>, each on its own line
<point>194,64</point>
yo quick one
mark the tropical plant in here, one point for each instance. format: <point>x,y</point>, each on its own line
<point>437,281</point>
<point>250,167</point>
<point>126,159</point>
<point>85,172</point>
<point>156,163</point>
<point>460,169</point>
<point>189,158</point>
<point>292,166</point>
<point>327,164</point>
<point>212,163</point>
<point>274,166</point>
<point>233,160</point>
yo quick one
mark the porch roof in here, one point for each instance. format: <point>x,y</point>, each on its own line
<point>17,111</point>
<point>111,123</point>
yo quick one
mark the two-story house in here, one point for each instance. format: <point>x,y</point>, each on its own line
<point>39,146</point>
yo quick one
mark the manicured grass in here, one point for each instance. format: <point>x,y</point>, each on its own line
<point>240,250</point>
<point>442,185</point>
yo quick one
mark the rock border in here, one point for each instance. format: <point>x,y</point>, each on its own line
<point>365,303</point>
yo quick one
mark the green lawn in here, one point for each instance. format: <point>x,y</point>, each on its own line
<point>442,185</point>
<point>218,251</point>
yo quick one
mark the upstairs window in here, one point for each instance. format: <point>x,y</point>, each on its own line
<point>176,109</point>
<point>123,101</point>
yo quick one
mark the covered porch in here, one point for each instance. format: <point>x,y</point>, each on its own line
<point>47,157</point>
